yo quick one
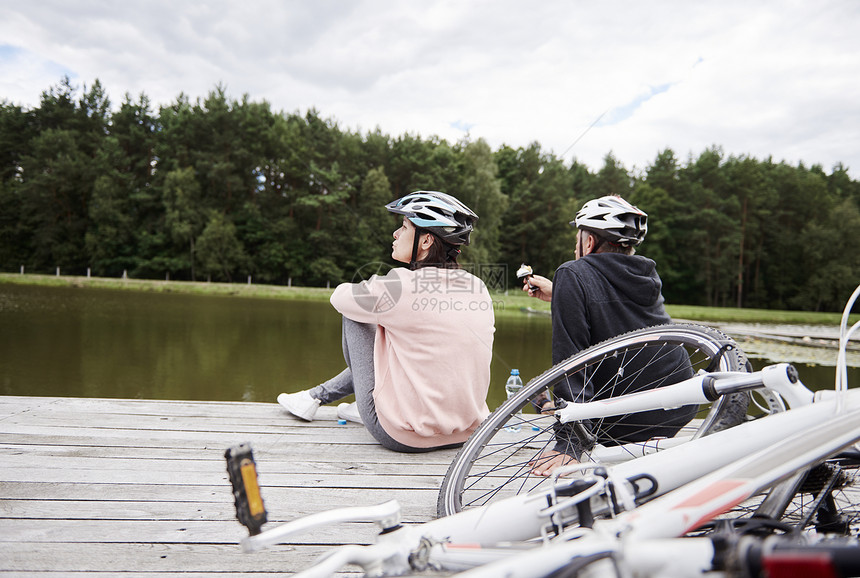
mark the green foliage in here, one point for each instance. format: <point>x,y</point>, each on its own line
<point>541,202</point>
<point>481,191</point>
<point>183,211</point>
<point>218,249</point>
<point>223,188</point>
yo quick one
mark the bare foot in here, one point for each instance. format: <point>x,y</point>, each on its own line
<point>546,462</point>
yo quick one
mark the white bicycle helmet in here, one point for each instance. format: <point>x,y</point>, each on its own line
<point>438,213</point>
<point>613,218</point>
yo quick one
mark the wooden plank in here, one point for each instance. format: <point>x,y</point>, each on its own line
<point>267,480</point>
<point>280,510</point>
<point>214,461</point>
<point>216,574</point>
<point>161,408</point>
<point>10,406</point>
<point>162,559</point>
<point>140,486</point>
<point>165,531</point>
<point>273,422</point>
<point>318,451</point>
<point>352,436</point>
<point>204,501</point>
<point>195,574</point>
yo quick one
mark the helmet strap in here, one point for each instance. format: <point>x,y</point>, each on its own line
<point>451,251</point>
<point>413,263</point>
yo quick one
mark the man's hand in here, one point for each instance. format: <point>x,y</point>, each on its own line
<point>546,462</point>
<point>538,287</point>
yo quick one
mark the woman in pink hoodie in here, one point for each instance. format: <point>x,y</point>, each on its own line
<point>418,341</point>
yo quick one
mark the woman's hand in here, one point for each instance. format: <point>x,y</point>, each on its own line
<point>538,287</point>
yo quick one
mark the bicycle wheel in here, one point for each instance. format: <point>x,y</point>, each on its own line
<point>495,461</point>
<point>826,499</point>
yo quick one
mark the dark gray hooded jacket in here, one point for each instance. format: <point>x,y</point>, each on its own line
<point>598,297</point>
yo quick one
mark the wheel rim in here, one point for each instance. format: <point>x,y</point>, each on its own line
<point>494,462</point>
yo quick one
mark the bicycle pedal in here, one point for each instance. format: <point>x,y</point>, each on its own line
<point>242,470</point>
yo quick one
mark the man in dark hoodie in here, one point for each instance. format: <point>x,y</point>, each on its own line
<point>605,291</point>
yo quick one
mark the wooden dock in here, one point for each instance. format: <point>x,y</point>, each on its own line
<point>139,487</point>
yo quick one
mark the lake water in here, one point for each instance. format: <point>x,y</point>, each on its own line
<point>84,342</point>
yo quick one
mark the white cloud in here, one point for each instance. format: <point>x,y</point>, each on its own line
<point>766,79</point>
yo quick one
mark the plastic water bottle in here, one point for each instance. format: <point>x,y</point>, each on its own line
<point>512,387</point>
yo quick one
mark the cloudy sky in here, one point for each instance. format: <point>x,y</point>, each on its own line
<point>582,78</point>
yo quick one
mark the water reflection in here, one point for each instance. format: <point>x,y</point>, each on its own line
<point>84,342</point>
<point>105,343</point>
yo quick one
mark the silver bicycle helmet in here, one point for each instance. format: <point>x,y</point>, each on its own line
<point>613,218</point>
<point>438,213</point>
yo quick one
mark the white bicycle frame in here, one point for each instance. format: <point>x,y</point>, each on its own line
<point>641,542</point>
<point>526,517</point>
<point>695,481</point>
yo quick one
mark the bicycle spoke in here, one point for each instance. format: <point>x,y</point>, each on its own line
<point>498,462</point>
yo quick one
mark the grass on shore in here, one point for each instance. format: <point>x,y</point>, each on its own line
<point>512,303</point>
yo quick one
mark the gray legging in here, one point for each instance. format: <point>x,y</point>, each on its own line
<point>359,378</point>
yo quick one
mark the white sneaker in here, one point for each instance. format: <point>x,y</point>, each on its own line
<point>300,404</point>
<point>349,411</point>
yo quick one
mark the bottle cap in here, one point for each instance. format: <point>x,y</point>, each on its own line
<point>515,372</point>
<point>341,422</point>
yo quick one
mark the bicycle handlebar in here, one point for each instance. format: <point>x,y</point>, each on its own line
<point>777,554</point>
<point>781,378</point>
<point>387,515</point>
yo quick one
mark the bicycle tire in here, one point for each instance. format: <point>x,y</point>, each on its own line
<point>493,462</point>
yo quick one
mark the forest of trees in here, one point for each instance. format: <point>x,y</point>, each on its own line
<point>223,189</point>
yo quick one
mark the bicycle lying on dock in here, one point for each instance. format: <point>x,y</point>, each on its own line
<point>625,518</point>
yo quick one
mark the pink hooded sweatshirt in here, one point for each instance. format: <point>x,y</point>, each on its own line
<point>434,344</point>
